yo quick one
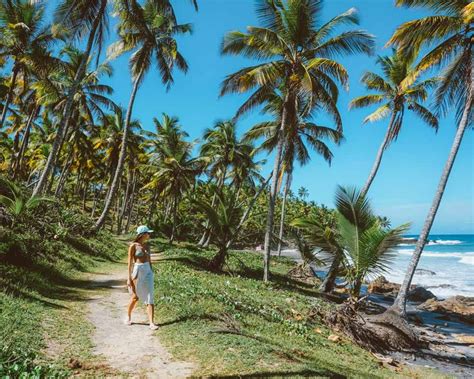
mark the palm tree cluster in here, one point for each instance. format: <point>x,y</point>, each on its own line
<point>63,135</point>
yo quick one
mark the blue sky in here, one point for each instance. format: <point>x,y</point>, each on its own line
<point>411,167</point>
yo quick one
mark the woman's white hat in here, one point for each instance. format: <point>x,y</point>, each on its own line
<point>143,229</point>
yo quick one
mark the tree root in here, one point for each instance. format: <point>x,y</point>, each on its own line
<point>378,334</point>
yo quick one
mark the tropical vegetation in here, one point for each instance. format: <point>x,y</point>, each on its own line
<point>65,142</point>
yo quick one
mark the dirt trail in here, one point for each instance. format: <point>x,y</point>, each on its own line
<point>134,350</point>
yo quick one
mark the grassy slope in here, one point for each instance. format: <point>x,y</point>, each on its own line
<point>42,260</point>
<point>235,325</point>
<point>229,324</point>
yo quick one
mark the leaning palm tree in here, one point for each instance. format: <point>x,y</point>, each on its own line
<point>299,56</point>
<point>365,246</point>
<point>25,40</point>
<point>397,91</point>
<point>150,30</point>
<point>450,30</point>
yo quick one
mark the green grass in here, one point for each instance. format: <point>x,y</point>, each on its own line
<point>233,324</point>
<point>43,326</point>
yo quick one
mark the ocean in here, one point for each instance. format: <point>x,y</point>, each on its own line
<point>446,266</point>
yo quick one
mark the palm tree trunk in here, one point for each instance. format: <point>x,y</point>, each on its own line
<point>273,193</point>
<point>283,204</point>
<point>132,204</point>
<point>124,203</point>
<point>248,210</point>
<point>378,158</point>
<point>64,175</point>
<point>206,237</point>
<point>175,216</point>
<point>330,279</point>
<point>152,208</point>
<point>24,143</point>
<point>97,193</point>
<point>121,161</point>
<point>217,262</point>
<point>9,98</point>
<point>42,182</point>
<point>399,306</point>
<point>84,195</point>
<point>355,291</point>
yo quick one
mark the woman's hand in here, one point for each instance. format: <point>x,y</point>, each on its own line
<point>129,281</point>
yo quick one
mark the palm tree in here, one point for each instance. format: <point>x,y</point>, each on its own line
<point>25,39</point>
<point>79,18</point>
<point>16,202</point>
<point>223,217</point>
<point>450,30</point>
<point>367,248</point>
<point>298,57</point>
<point>109,139</point>
<point>317,234</point>
<point>303,192</point>
<point>299,137</point>
<point>168,139</point>
<point>175,176</point>
<point>223,150</point>
<point>397,91</point>
<point>150,30</point>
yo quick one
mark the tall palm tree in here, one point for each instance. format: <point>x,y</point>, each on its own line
<point>168,139</point>
<point>25,39</point>
<point>450,31</point>
<point>150,30</point>
<point>299,56</point>
<point>397,91</point>
<point>300,137</point>
<point>80,18</point>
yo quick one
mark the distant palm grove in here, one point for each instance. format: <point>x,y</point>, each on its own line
<point>65,139</point>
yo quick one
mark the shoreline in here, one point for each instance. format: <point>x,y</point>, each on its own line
<point>442,334</point>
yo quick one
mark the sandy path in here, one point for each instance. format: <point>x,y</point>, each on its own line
<point>134,350</point>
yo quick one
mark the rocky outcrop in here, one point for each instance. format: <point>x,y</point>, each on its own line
<point>382,286</point>
<point>460,307</point>
<point>420,295</point>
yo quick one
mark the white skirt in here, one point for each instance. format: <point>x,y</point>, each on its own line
<point>144,284</point>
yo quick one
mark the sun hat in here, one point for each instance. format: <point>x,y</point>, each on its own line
<point>142,229</point>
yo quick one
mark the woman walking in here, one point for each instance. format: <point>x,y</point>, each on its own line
<point>140,275</point>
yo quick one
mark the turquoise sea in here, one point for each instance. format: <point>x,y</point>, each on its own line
<point>446,266</point>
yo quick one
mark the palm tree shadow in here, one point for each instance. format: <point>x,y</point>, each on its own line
<point>306,373</point>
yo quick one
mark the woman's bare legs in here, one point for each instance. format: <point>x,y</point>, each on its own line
<point>133,302</point>
<point>131,306</point>
<point>151,313</point>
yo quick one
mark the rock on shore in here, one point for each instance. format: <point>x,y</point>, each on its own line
<point>461,307</point>
<point>382,286</point>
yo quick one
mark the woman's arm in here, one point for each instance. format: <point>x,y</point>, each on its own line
<point>131,253</point>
